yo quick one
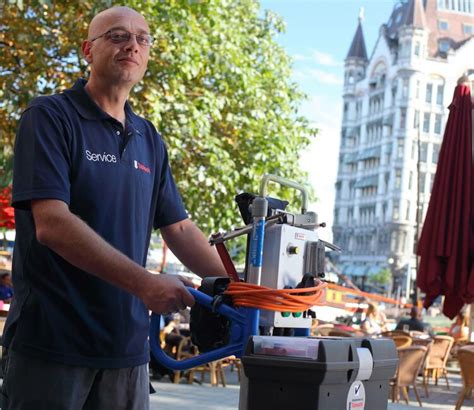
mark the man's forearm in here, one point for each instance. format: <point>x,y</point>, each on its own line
<point>192,248</point>
<point>72,239</point>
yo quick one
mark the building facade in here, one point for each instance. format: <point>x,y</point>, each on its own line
<point>395,106</point>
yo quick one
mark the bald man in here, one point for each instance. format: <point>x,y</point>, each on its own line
<point>91,181</point>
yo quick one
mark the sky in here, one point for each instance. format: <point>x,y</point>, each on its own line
<point>318,36</point>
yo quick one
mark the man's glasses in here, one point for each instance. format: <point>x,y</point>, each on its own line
<point>118,36</point>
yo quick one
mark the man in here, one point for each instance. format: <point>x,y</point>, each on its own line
<point>415,323</point>
<point>6,288</point>
<point>91,180</point>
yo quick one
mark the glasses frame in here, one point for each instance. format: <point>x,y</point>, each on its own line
<point>108,33</point>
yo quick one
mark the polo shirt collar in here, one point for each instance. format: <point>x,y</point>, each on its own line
<point>86,106</point>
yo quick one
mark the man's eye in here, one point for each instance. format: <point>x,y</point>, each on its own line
<point>119,36</point>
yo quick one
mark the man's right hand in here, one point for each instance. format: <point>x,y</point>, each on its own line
<point>165,293</point>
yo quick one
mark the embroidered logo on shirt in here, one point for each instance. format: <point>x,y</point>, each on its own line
<point>141,167</point>
<point>97,157</point>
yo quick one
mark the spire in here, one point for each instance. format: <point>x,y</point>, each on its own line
<point>358,49</point>
<point>415,15</point>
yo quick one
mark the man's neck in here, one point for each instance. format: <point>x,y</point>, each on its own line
<point>110,98</point>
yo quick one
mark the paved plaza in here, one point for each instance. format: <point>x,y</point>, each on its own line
<point>205,397</point>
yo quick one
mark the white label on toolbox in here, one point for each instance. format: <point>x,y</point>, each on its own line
<point>366,363</point>
<point>356,396</point>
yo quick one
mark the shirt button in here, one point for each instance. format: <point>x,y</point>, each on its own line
<point>117,132</point>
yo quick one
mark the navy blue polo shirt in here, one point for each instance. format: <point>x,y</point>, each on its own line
<point>116,180</point>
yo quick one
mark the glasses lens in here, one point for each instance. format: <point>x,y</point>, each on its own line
<point>144,39</point>
<point>119,36</point>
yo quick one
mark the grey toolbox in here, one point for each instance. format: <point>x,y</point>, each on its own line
<point>333,374</point>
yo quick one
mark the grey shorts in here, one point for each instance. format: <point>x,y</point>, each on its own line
<point>36,384</point>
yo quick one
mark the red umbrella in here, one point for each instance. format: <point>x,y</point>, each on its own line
<point>447,239</point>
<point>7,215</point>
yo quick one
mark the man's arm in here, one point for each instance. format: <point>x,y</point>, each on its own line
<point>192,248</point>
<point>71,238</point>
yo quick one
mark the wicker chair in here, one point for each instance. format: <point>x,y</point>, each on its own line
<point>466,362</point>
<point>436,361</point>
<point>402,341</point>
<point>409,365</point>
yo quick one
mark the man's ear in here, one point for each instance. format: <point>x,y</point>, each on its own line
<point>87,50</point>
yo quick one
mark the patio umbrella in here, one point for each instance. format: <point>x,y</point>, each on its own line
<point>446,242</point>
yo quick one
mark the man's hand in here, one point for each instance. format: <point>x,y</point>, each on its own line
<point>165,293</point>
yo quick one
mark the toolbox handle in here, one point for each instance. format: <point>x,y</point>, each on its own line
<point>244,323</point>
<point>285,182</point>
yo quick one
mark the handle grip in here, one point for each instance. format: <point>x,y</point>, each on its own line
<point>244,323</point>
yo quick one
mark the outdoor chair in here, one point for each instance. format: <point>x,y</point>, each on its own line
<point>341,333</point>
<point>426,343</point>
<point>391,333</point>
<point>410,361</point>
<point>323,330</point>
<point>435,364</point>
<point>402,341</point>
<point>466,362</point>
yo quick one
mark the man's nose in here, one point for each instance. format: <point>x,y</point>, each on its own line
<point>132,44</point>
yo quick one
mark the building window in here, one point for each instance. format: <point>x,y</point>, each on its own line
<point>443,25</point>
<point>429,92</point>
<point>426,122</point>
<point>437,124</point>
<point>403,117</point>
<point>423,151</point>
<point>435,155</point>
<point>422,182</point>
<point>405,88</point>
<point>398,178</point>
<point>416,119</point>
<point>468,29</point>
<point>444,46</point>
<point>396,212</point>
<point>400,147</point>
<point>417,48</point>
<point>410,180</point>
<point>417,89</point>
<point>440,94</point>
<point>413,149</point>
<point>407,215</point>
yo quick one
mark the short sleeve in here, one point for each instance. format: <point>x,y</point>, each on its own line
<point>42,160</point>
<point>170,208</point>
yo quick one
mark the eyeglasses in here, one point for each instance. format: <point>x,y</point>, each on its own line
<point>118,36</point>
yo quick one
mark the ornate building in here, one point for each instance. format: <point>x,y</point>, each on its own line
<point>395,108</point>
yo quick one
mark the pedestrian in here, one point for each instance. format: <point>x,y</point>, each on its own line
<point>91,181</point>
<point>415,323</point>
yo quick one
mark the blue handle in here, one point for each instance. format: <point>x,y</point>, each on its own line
<point>244,323</point>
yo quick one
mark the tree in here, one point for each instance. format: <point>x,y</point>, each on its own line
<point>383,277</point>
<point>217,89</point>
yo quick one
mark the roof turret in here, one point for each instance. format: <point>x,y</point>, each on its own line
<point>358,49</point>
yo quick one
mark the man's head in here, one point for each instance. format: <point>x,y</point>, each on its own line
<point>117,46</point>
<point>5,279</point>
<point>415,313</point>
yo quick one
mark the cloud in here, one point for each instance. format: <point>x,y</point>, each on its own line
<point>324,59</point>
<point>299,57</point>
<point>318,75</point>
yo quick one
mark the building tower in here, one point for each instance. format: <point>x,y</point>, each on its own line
<point>395,108</point>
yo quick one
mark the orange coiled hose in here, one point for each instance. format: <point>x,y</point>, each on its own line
<point>281,300</point>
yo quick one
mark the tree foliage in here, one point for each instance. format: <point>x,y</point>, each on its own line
<point>217,89</point>
<point>383,277</point>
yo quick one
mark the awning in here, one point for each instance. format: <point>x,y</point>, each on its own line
<point>359,270</point>
<point>369,153</point>
<point>388,120</point>
<point>352,157</point>
<point>367,181</point>
<point>373,270</point>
